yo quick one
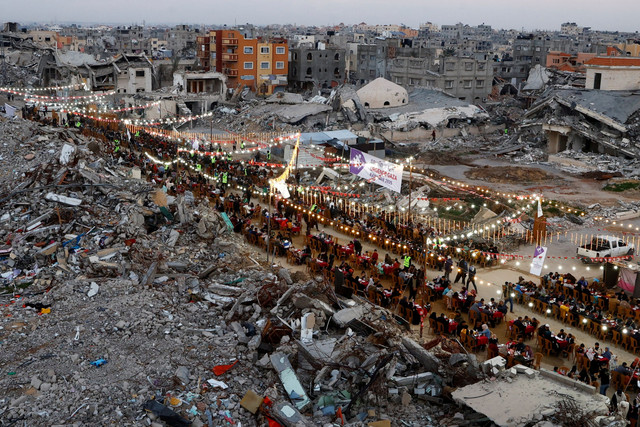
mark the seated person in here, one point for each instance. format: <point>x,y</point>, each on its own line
<point>520,326</point>
<point>493,343</point>
<point>502,308</point>
<point>461,325</point>
<point>485,331</point>
<point>445,322</point>
<point>623,369</point>
<point>458,317</point>
<point>520,345</point>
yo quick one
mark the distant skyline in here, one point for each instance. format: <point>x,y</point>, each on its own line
<point>620,15</point>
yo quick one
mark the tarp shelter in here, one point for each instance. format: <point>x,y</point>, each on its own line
<point>629,280</point>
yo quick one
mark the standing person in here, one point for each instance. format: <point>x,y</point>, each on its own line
<point>407,261</point>
<point>462,271</point>
<point>413,288</point>
<point>357,246</point>
<point>604,380</point>
<point>433,135</point>
<point>472,278</point>
<point>617,398</point>
<point>448,267</point>
<point>508,290</point>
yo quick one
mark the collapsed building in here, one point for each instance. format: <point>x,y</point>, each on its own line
<point>585,120</point>
<point>123,73</point>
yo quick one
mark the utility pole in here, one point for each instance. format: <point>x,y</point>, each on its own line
<point>4,64</point>
<point>410,159</point>
<point>269,226</point>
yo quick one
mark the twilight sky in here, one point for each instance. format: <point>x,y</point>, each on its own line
<point>518,14</point>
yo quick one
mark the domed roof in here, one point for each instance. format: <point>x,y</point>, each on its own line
<point>381,93</point>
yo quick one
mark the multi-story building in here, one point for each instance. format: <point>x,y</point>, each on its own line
<point>372,60</point>
<point>181,40</point>
<point>130,39</point>
<point>570,28</point>
<point>43,37</point>
<point>157,45</point>
<point>467,78</point>
<point>260,64</point>
<point>624,49</point>
<point>568,62</point>
<point>318,67</point>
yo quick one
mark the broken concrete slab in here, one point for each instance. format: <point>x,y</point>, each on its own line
<point>428,360</point>
<point>287,415</point>
<point>304,301</point>
<point>71,201</point>
<point>521,398</point>
<point>66,153</point>
<point>49,249</point>
<point>346,315</point>
<point>149,275</point>
<point>296,392</point>
<point>414,379</point>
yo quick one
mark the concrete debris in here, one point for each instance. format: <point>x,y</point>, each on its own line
<point>526,399</point>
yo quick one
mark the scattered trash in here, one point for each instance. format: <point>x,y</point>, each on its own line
<point>217,384</point>
<point>165,414</point>
<point>221,369</point>
<point>98,363</point>
<point>93,290</point>
<point>251,401</point>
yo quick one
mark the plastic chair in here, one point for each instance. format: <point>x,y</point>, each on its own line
<point>432,325</point>
<point>537,359</point>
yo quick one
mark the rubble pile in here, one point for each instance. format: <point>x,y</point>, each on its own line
<point>124,305</point>
<point>20,67</point>
<point>588,162</point>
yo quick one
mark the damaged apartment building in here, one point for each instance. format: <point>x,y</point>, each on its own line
<point>603,118</point>
<point>316,66</point>
<point>468,78</point>
<point>124,73</point>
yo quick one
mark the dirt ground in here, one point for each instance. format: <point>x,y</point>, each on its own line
<point>509,174</point>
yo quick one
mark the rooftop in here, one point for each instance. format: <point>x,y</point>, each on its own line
<point>614,61</point>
